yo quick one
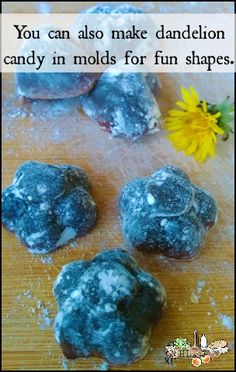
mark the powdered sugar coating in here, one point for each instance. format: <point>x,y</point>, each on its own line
<point>107,306</point>
<point>166,213</point>
<point>48,205</point>
<point>124,104</point>
<point>113,9</point>
<point>50,85</point>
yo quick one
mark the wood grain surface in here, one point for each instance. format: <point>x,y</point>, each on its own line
<point>58,133</point>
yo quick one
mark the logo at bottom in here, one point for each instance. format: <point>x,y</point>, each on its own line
<point>199,353</point>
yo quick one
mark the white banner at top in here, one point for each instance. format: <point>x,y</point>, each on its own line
<point>119,42</point>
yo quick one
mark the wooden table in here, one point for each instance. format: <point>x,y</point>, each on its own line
<point>59,133</point>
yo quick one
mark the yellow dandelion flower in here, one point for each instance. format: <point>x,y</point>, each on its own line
<point>195,126</point>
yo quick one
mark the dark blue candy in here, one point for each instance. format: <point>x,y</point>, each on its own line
<point>166,213</point>
<point>107,306</point>
<point>48,205</point>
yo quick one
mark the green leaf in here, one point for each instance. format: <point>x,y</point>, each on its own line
<point>226,108</point>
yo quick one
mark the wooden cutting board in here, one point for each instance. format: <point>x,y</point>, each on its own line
<point>200,292</point>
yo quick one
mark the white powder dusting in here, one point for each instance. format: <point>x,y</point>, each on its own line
<point>41,189</point>
<point>104,367</point>
<point>200,285</point>
<point>33,237</point>
<point>109,281</point>
<point>76,293</point>
<point>109,308</point>
<point>67,234</point>
<point>73,245</point>
<point>17,193</point>
<point>195,296</point>
<point>150,199</point>
<point>27,293</point>
<point>213,302</point>
<point>45,320</point>
<point>45,119</point>
<point>164,221</point>
<point>226,321</point>
<point>47,260</point>
<point>44,206</point>
<point>64,363</point>
<point>37,309</point>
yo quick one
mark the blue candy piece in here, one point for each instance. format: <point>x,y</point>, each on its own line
<point>123,104</point>
<point>166,213</point>
<point>48,205</point>
<point>49,85</point>
<point>113,9</point>
<point>107,307</point>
